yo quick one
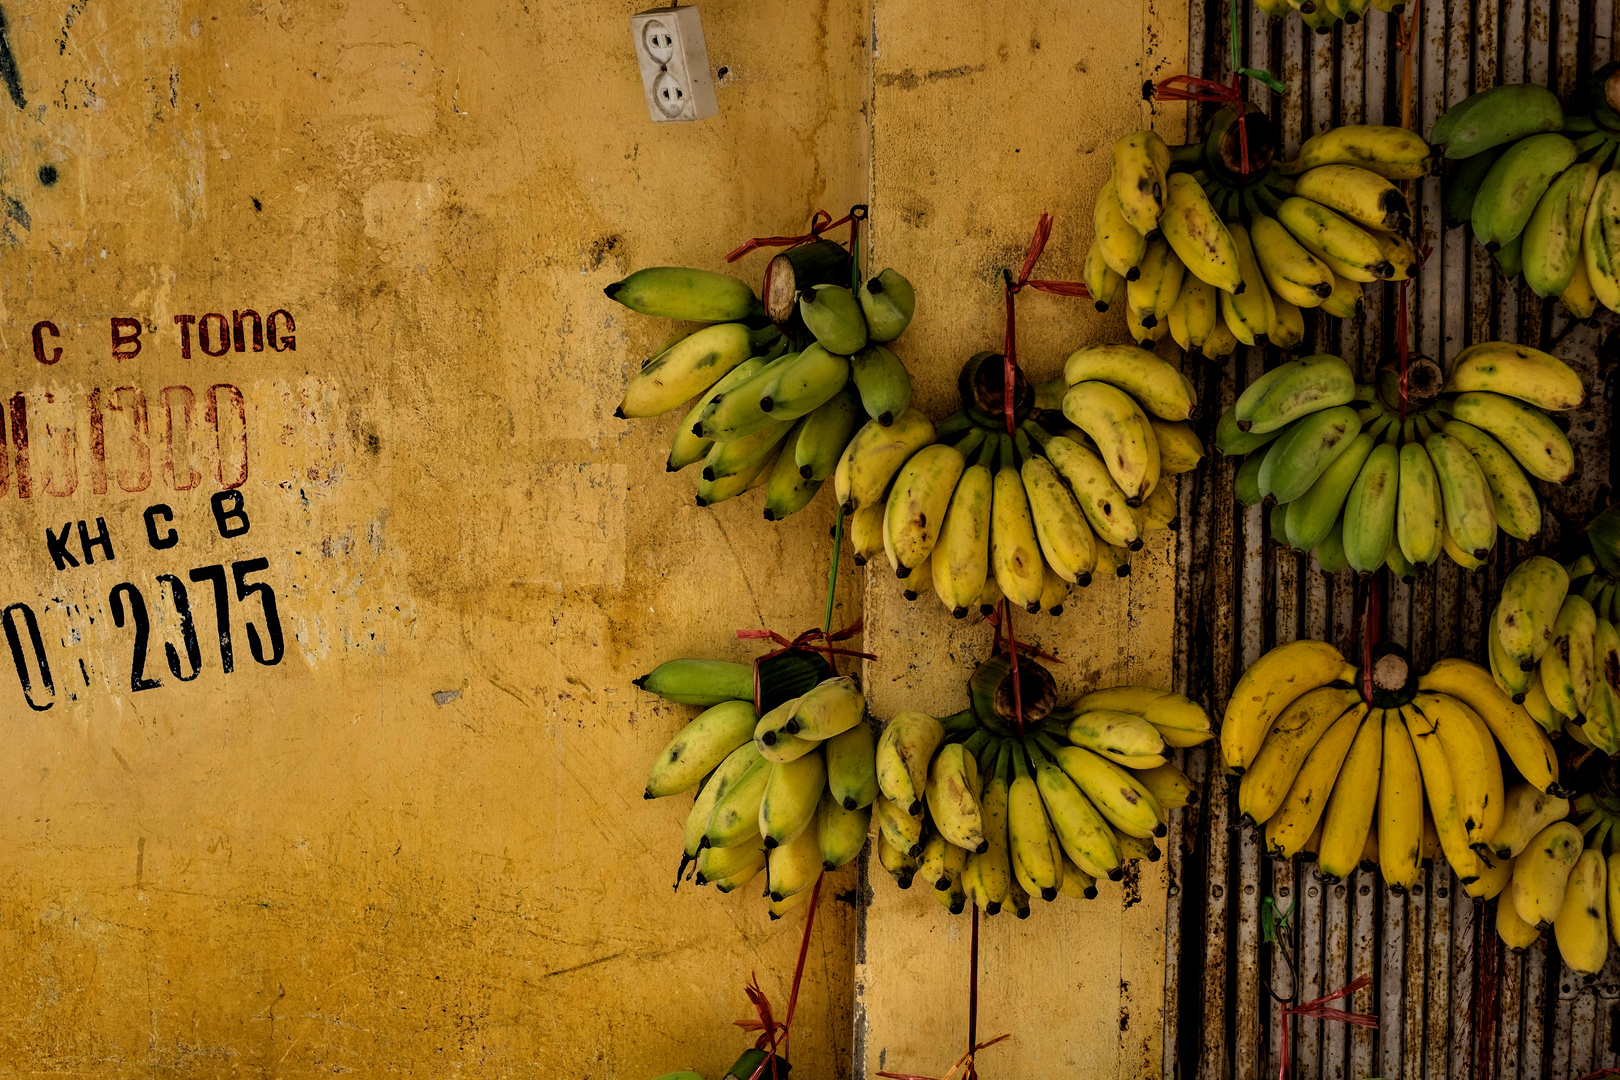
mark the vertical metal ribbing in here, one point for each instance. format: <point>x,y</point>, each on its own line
<point>1422,948</point>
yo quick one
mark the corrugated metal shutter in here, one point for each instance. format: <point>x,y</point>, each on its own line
<point>1452,1001</point>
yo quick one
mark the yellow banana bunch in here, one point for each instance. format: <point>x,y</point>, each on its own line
<point>1553,646</point>
<point>1218,244</point>
<point>976,515</point>
<point>1016,812</point>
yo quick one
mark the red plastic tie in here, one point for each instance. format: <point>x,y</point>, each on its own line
<point>1009,371</point>
<point>1192,88</point>
<point>766,1024</point>
<point>1403,330</point>
<point>820,222</point>
<point>806,641</point>
<point>1314,1010</point>
<point>1012,287</point>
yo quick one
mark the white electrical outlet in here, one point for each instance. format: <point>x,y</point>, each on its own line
<point>674,64</point>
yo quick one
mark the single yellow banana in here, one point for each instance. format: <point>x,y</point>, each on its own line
<point>1200,239</point>
<point>1114,421</point>
<point>1400,807</point>
<point>917,504</point>
<point>1121,243</point>
<point>1525,743</point>
<point>1291,828</point>
<point>1273,682</point>
<point>961,558</point>
<point>1349,816</point>
<point>1476,770</point>
<point>1140,163</point>
<point>1267,781</point>
<point>1248,313</point>
<point>875,454</point>
<point>1442,795</point>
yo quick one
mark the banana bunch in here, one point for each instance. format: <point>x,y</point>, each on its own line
<point>773,409</point>
<point>1538,188</point>
<point>1554,646</point>
<point>974,514</point>
<point>1349,478</point>
<point>1215,246</point>
<point>1565,873</point>
<point>987,815</point>
<point>788,792</point>
<point>1322,15</point>
<point>1326,770</point>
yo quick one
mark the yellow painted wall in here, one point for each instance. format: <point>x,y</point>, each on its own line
<point>416,844</point>
<point>980,127</point>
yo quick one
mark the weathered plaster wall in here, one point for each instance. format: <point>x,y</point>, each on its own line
<point>415,844</point>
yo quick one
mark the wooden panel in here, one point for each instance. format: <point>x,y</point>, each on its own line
<point>971,145</point>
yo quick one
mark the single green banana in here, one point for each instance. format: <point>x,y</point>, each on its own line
<point>1462,182</point>
<point>688,446</point>
<point>1498,115</point>
<point>825,432</point>
<point>1289,391</point>
<point>700,682</point>
<point>1515,184</point>
<point>834,316</point>
<point>1465,495</point>
<point>1297,460</point>
<point>810,380</point>
<point>1369,512</point>
<point>1552,237</point>
<point>1418,513</point>
<point>883,383</point>
<point>679,292</point>
<point>888,303</point>
<point>1517,507</point>
<point>1312,516</point>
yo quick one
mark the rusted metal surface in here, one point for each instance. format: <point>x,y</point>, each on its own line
<point>1452,1001</point>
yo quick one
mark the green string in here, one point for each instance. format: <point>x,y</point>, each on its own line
<point>1258,74</point>
<point>856,214</point>
<point>832,571</point>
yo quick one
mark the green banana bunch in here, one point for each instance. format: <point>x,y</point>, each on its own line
<point>1363,486</point>
<point>752,384</point>
<point>1537,187</point>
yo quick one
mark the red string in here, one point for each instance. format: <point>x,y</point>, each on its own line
<point>805,642</point>
<point>1192,88</point>
<point>1371,619</point>
<point>766,1024</point>
<point>820,222</point>
<point>1600,1074</point>
<point>1314,1010</point>
<point>965,1062</point>
<point>1006,641</point>
<point>1009,367</point>
<point>1402,326</point>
